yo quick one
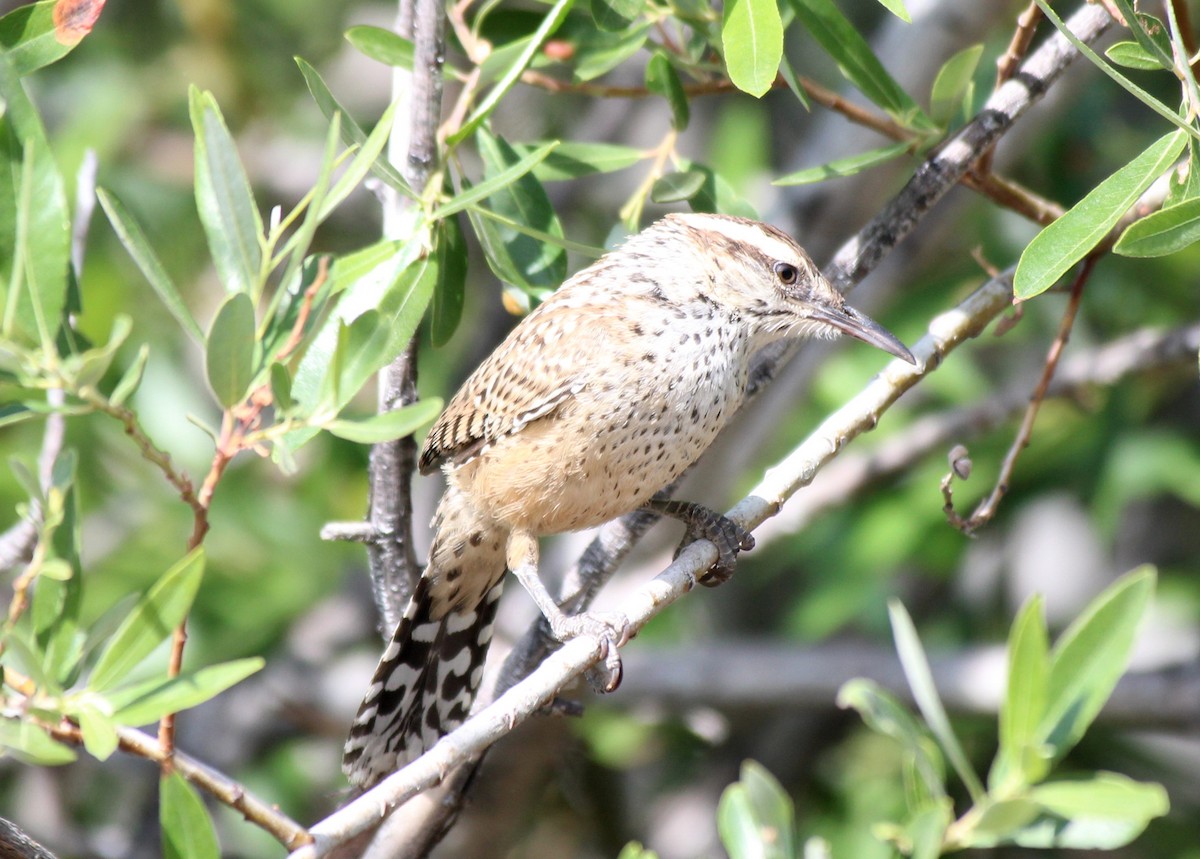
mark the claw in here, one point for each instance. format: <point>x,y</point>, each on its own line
<point>704,524</point>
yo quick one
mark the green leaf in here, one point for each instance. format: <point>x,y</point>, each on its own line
<point>752,43</point>
<point>134,240</point>
<point>365,160</point>
<point>554,17</point>
<point>1103,812</point>
<point>1021,761</point>
<point>382,45</point>
<point>570,159</point>
<point>997,822</point>
<point>926,830</point>
<point>1163,232</point>
<point>187,829</point>
<point>515,257</point>
<point>897,8</point>
<point>153,619</point>
<point>148,701</point>
<point>885,715</point>
<point>31,39</point>
<point>132,378</point>
<point>99,730</point>
<point>635,850</point>
<point>450,291</point>
<point>920,680</point>
<point>1074,235</point>
<point>387,426</point>
<point>615,15</point>
<point>229,354</point>
<point>674,187</point>
<point>30,744</point>
<point>598,52</point>
<point>1090,657</point>
<point>856,61</point>
<point>717,195</point>
<point>363,281</point>
<point>37,287</point>
<point>352,134</point>
<point>496,182</point>
<point>953,83</point>
<point>755,817</point>
<point>1163,110</point>
<point>847,166</point>
<point>1132,56</point>
<point>663,80</point>
<point>1149,33</point>
<point>281,387</point>
<point>227,209</point>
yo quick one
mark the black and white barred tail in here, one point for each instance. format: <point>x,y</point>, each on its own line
<point>423,687</point>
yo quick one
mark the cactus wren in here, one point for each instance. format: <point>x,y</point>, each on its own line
<point>598,399</point>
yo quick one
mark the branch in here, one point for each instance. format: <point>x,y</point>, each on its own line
<point>413,149</point>
<point>15,844</point>
<point>1106,365</point>
<point>560,668</point>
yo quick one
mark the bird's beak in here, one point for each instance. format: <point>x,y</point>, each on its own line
<point>865,328</point>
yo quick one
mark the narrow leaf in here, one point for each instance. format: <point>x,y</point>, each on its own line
<point>229,352</point>
<point>132,378</point>
<point>387,426</point>
<point>856,60</point>
<point>43,239</point>
<point>554,17</point>
<point>187,828</point>
<point>38,34</point>
<point>449,293</point>
<point>1074,235</point>
<point>571,159</point>
<point>134,240</point>
<point>227,209</point>
<point>848,166</point>
<point>149,701</point>
<point>1163,232</point>
<point>673,187</point>
<point>496,182</point>
<point>382,45</point>
<point>663,80</point>
<point>1019,762</point>
<point>1132,56</point>
<point>98,729</point>
<point>752,43</point>
<point>897,8</point>
<point>29,743</point>
<point>953,83</point>
<point>920,680</point>
<point>615,15</point>
<point>153,619</point>
<point>1090,657</point>
<point>351,132</point>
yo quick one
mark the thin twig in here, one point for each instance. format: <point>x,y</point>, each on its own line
<point>222,788</point>
<point>986,510</point>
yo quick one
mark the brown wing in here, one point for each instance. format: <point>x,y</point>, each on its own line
<point>542,364</point>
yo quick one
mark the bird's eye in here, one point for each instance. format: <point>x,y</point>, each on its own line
<point>786,272</point>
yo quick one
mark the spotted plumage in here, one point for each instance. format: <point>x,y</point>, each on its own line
<point>599,398</point>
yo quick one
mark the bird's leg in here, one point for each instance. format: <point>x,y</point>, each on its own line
<point>610,628</point>
<point>704,524</point>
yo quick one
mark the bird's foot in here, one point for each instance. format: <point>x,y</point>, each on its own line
<point>611,629</point>
<point>705,524</point>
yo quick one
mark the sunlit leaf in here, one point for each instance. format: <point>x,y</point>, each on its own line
<point>847,166</point>
<point>1074,235</point>
<point>29,743</point>
<point>229,354</point>
<point>1164,232</point>
<point>953,83</point>
<point>1020,760</point>
<point>155,617</point>
<point>387,426</point>
<point>38,34</point>
<point>227,209</point>
<point>752,43</point>
<point>663,80</point>
<point>148,701</point>
<point>187,828</point>
<point>681,185</point>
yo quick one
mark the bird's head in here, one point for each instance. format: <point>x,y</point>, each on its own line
<point>761,273</point>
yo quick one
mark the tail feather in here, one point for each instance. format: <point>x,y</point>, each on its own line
<point>424,686</point>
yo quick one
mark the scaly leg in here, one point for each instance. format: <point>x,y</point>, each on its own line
<point>611,628</point>
<point>704,524</point>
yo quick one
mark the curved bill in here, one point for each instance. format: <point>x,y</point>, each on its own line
<point>865,328</point>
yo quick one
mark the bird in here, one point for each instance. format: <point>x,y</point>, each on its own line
<point>598,399</point>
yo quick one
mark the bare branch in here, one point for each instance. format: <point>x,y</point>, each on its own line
<point>15,844</point>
